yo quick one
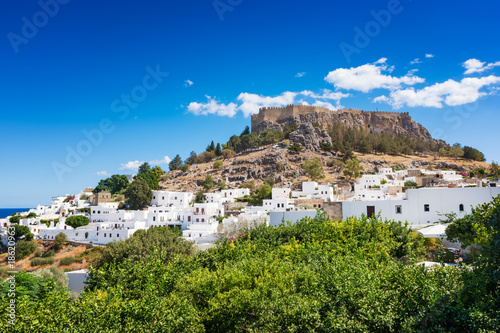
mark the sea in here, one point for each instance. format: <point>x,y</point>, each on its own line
<point>4,212</point>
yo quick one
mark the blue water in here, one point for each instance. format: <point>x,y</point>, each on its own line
<point>4,212</point>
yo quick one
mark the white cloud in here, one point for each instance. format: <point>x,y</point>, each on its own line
<point>188,83</point>
<point>475,66</point>
<point>368,77</point>
<point>212,107</point>
<point>102,173</point>
<point>165,160</point>
<point>416,61</point>
<point>132,165</point>
<point>428,55</point>
<point>450,92</point>
<point>301,74</point>
<point>250,103</point>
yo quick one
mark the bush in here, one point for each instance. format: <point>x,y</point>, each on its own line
<point>24,248</point>
<point>59,241</point>
<point>295,147</point>
<point>53,273</point>
<point>42,261</point>
<point>218,164</point>
<point>38,253</point>
<point>314,168</point>
<point>67,261</point>
<point>185,167</point>
<point>49,253</point>
<point>77,221</point>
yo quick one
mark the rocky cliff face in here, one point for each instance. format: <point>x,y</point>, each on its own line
<point>310,137</point>
<point>376,122</point>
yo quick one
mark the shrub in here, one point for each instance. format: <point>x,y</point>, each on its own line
<point>218,164</point>
<point>314,168</point>
<point>24,248</point>
<point>59,241</point>
<point>49,253</point>
<point>77,221</point>
<point>42,261</point>
<point>55,274</point>
<point>38,253</point>
<point>67,261</point>
<point>185,167</point>
<point>295,147</point>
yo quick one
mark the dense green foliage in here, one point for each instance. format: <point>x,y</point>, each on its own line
<point>42,261</point>
<point>59,241</point>
<point>353,168</point>
<point>24,248</point>
<point>76,221</point>
<point>115,184</point>
<point>314,168</point>
<point>20,230</point>
<point>318,275</point>
<point>139,194</point>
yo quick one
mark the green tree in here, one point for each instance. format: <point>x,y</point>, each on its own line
<point>20,230</point>
<point>114,184</point>
<point>144,168</point>
<point>176,163</point>
<point>353,168</point>
<point>494,171</point>
<point>221,185</point>
<point>150,179</point>
<point>270,181</point>
<point>138,194</point>
<point>473,154</point>
<point>192,159</point>
<point>314,168</point>
<point>208,183</point>
<point>185,167</point>
<point>24,248</point>
<point>218,150</point>
<point>59,241</point>
<point>76,221</point>
<point>218,164</point>
<point>200,197</point>
<point>456,151</point>
<point>265,191</point>
<point>14,219</point>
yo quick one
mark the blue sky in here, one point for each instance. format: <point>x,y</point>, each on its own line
<point>69,68</point>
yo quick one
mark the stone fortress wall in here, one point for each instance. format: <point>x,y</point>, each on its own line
<point>274,114</point>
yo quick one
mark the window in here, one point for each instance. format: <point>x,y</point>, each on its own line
<point>426,208</point>
<point>154,197</point>
<point>399,209</point>
<point>154,218</point>
<point>461,207</point>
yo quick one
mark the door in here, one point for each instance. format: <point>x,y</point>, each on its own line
<point>370,211</point>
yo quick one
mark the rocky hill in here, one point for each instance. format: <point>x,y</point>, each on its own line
<point>286,168</point>
<point>392,123</point>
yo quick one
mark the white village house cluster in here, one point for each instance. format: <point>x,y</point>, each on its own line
<point>382,193</point>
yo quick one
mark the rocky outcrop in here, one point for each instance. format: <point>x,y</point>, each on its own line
<point>392,123</point>
<point>310,137</point>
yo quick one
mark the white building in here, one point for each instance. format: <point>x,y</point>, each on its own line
<point>171,199</point>
<point>422,207</point>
